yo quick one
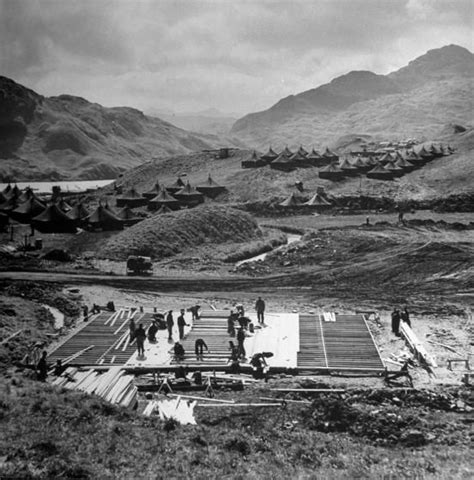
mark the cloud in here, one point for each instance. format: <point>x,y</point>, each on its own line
<point>240,55</point>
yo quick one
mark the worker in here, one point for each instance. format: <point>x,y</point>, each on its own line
<point>234,358</point>
<point>260,308</point>
<point>259,366</point>
<point>230,324</point>
<point>396,322</point>
<point>85,311</point>
<point>178,352</point>
<point>240,342</point>
<point>132,328</point>
<point>240,309</point>
<point>181,324</point>
<point>42,367</point>
<point>59,368</point>
<point>152,332</point>
<point>194,311</point>
<point>199,346</point>
<point>405,316</point>
<point>170,324</point>
<point>140,336</point>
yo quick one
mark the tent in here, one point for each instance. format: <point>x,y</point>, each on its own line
<point>153,192</point>
<point>348,169</point>
<point>176,186</point>
<point>362,164</point>
<point>103,219</point>
<point>210,188</point>
<point>395,169</point>
<point>282,162</point>
<point>27,210</point>
<point>63,205</point>
<point>329,154</point>
<point>78,213</point>
<point>405,165</point>
<point>415,159</point>
<point>131,199</point>
<point>299,160</point>
<point>315,159</point>
<point>386,158</point>
<point>286,152</point>
<point>269,156</point>
<point>317,202</point>
<point>9,204</point>
<point>164,209</point>
<point>436,151</point>
<point>291,201</point>
<point>189,196</point>
<point>128,217</point>
<point>25,195</point>
<point>331,172</point>
<point>302,151</point>
<point>425,155</point>
<point>164,198</point>
<point>12,192</point>
<point>253,162</point>
<point>53,220</point>
<point>379,172</point>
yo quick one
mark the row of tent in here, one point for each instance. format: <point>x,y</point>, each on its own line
<point>288,160</point>
<point>58,216</point>
<point>173,197</point>
<point>388,166</point>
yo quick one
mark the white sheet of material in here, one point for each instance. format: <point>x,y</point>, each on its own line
<point>177,409</point>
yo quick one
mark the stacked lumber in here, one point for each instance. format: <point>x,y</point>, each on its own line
<point>113,386</point>
<point>416,346</point>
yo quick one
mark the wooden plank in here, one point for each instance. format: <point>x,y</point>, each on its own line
<point>3,342</point>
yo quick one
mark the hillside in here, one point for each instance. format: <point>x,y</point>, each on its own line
<point>415,101</point>
<point>67,137</point>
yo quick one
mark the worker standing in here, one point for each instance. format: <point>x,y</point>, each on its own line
<point>181,324</point>
<point>240,342</point>
<point>42,368</point>
<point>170,324</point>
<point>396,322</point>
<point>132,327</point>
<point>230,324</point>
<point>260,307</point>
<point>140,336</point>
<point>405,316</point>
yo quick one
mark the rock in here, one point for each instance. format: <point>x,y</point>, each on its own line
<point>413,438</point>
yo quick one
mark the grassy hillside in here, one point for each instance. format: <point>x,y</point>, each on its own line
<point>67,137</point>
<point>162,236</point>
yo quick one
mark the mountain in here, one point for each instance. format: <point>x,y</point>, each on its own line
<point>416,100</point>
<point>209,121</point>
<point>67,137</point>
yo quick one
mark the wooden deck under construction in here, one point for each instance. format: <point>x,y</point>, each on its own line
<point>300,343</point>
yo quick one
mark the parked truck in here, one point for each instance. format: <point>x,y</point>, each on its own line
<point>138,265</point>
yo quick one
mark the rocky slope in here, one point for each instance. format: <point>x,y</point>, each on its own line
<point>415,101</point>
<point>67,137</point>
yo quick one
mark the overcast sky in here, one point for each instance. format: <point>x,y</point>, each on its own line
<point>233,55</point>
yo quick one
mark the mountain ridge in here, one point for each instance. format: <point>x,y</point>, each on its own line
<point>286,121</point>
<point>67,137</point>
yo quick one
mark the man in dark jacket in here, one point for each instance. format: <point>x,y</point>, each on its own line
<point>140,336</point>
<point>240,342</point>
<point>260,307</point>
<point>42,368</point>
<point>406,316</point>
<point>181,324</point>
<point>152,329</point>
<point>170,324</point>
<point>199,346</point>
<point>178,351</point>
<point>396,322</point>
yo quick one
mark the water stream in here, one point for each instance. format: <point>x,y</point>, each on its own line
<point>291,238</point>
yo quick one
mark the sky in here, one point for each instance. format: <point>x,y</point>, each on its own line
<point>236,56</point>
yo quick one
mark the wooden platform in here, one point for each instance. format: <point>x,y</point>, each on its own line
<point>343,345</point>
<point>301,343</point>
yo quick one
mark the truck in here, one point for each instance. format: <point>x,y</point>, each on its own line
<point>138,265</point>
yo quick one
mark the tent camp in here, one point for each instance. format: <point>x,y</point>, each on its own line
<point>53,220</point>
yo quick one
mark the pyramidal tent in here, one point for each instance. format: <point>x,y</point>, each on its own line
<point>286,152</point>
<point>379,172</point>
<point>269,155</point>
<point>164,209</point>
<point>330,154</point>
<point>103,219</point>
<point>315,159</point>
<point>164,198</point>
<point>63,205</point>
<point>78,213</point>
<point>27,210</point>
<point>25,195</point>
<point>317,201</point>
<point>299,160</point>
<point>176,186</point>
<point>53,220</point>
<point>189,195</point>
<point>153,192</point>
<point>347,168</point>
<point>210,188</point>
<point>9,204</point>
<point>131,199</point>
<point>291,201</point>
<point>331,172</point>
<point>302,151</point>
<point>282,162</point>
<point>254,161</point>
<point>128,216</point>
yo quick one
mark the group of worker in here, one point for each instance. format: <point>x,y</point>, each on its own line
<point>399,316</point>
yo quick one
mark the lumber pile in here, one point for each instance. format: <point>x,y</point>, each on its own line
<point>113,386</point>
<point>416,346</point>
